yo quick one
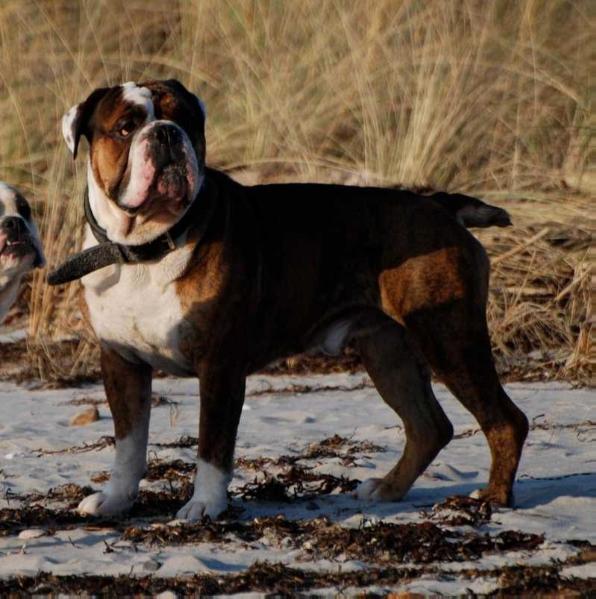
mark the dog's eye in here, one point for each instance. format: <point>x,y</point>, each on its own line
<point>23,207</point>
<point>125,128</point>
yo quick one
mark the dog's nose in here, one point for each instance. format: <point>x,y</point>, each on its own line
<point>166,144</point>
<point>14,227</point>
<point>167,134</point>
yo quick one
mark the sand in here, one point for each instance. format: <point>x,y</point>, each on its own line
<point>555,492</point>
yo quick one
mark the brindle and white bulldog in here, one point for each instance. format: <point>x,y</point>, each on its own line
<point>196,274</point>
<point>20,246</point>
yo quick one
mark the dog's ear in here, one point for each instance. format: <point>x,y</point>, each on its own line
<point>76,121</point>
<point>179,87</point>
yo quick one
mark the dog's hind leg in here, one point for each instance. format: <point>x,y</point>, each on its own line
<point>454,339</point>
<point>128,390</point>
<point>403,381</point>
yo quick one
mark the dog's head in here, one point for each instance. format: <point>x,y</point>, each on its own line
<point>20,246</point>
<point>146,155</point>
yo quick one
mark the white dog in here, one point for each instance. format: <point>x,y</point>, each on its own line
<point>20,246</point>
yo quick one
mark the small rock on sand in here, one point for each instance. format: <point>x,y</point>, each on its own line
<point>151,565</point>
<point>85,417</point>
<point>32,533</point>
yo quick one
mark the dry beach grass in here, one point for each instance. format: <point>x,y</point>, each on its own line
<point>487,98</point>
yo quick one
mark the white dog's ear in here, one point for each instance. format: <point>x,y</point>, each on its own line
<point>76,121</point>
<point>70,129</point>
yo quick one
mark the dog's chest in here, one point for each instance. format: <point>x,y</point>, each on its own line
<point>136,310</point>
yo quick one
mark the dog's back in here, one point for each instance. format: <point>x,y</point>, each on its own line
<point>326,250</point>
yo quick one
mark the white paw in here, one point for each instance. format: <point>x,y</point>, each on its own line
<point>210,497</point>
<point>197,509</point>
<point>475,494</point>
<point>105,504</point>
<point>368,489</point>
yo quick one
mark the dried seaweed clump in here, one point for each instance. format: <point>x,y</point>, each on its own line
<point>460,510</point>
<point>295,482</point>
<point>423,542</point>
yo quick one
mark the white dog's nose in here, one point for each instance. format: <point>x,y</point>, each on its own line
<point>15,228</point>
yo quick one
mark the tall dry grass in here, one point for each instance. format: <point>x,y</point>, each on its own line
<point>487,97</point>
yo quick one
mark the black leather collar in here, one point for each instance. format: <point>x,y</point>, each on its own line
<point>107,252</point>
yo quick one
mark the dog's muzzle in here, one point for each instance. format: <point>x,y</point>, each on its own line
<point>16,240</point>
<point>166,147</point>
<point>159,169</point>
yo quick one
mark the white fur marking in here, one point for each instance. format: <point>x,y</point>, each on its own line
<point>136,307</point>
<point>367,490</point>
<point>6,191</point>
<point>129,467</point>
<point>106,213</point>
<point>69,126</point>
<point>130,462</point>
<point>210,494</point>
<point>140,96</point>
<point>9,291</point>
<point>142,172</point>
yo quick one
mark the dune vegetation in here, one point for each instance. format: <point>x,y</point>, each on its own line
<point>486,98</point>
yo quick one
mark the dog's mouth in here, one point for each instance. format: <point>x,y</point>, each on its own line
<point>18,249</point>
<point>172,183</point>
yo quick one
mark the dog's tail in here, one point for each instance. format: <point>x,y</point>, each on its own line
<point>472,212</point>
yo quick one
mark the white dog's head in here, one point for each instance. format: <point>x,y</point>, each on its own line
<point>20,246</point>
<point>146,155</point>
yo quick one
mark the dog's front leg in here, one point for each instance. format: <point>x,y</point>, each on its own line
<point>222,397</point>
<point>128,389</point>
